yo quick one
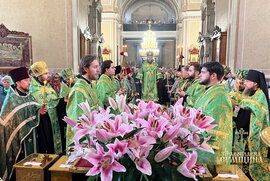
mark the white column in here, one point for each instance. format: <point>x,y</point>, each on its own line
<point>75,35</point>
<point>232,33</point>
<point>109,27</point>
<point>191,29</point>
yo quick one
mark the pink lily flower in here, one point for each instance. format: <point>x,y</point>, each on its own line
<point>189,168</point>
<point>183,115</point>
<point>121,125</point>
<point>166,152</point>
<point>70,122</point>
<point>85,107</point>
<point>112,103</point>
<point>103,163</point>
<point>153,108</point>
<point>179,102</point>
<point>120,102</point>
<point>104,115</point>
<point>154,126</point>
<point>205,146</point>
<point>84,123</point>
<point>141,162</point>
<point>172,132</point>
<point>137,141</point>
<point>119,148</point>
<point>104,136</point>
<point>140,140</point>
<point>112,128</point>
<point>201,122</point>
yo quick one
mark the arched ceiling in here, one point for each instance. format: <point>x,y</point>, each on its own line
<point>142,9</point>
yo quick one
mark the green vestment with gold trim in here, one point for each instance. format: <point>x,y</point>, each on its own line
<point>194,91</point>
<point>259,120</point>
<point>64,91</point>
<point>149,73</point>
<point>236,97</point>
<point>215,102</point>
<point>106,88</point>
<point>37,90</point>
<point>81,91</point>
<point>117,83</point>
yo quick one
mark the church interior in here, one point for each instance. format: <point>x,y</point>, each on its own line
<point>131,90</point>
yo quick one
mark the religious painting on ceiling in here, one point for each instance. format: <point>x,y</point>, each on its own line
<point>15,49</point>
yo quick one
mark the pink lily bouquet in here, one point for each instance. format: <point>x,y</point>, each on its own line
<point>143,141</point>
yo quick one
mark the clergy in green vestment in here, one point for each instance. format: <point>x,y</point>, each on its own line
<point>105,86</point>
<point>48,130</point>
<point>195,90</point>
<point>18,120</point>
<point>228,81</point>
<point>236,94</point>
<point>215,102</point>
<point>82,91</point>
<point>149,73</point>
<point>68,80</point>
<point>177,80</point>
<point>252,118</point>
<point>183,84</point>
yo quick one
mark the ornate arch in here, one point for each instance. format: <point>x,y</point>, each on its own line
<point>121,6</point>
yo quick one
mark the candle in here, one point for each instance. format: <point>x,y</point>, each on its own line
<point>124,48</point>
<point>178,48</point>
<point>70,81</point>
<point>44,96</point>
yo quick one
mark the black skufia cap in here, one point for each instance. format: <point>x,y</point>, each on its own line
<point>118,69</point>
<point>19,74</point>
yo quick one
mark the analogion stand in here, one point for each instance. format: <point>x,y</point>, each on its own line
<point>61,171</point>
<point>36,168</point>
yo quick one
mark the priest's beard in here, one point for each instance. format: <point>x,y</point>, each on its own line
<point>191,77</point>
<point>249,91</point>
<point>241,89</point>
<point>205,82</point>
<point>150,60</point>
<point>22,89</point>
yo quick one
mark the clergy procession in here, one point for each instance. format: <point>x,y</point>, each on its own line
<point>34,103</point>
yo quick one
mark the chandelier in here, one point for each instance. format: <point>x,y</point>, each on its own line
<point>149,43</point>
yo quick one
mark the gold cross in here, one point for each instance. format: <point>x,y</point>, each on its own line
<point>242,133</point>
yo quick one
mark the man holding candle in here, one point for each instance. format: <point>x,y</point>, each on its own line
<point>18,120</point>
<point>48,129</point>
